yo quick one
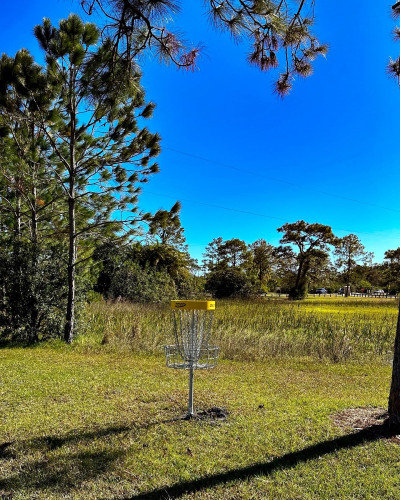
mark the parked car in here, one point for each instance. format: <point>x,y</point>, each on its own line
<point>379,292</point>
<point>321,290</point>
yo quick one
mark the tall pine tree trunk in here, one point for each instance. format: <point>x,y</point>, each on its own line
<point>16,285</point>
<point>70,317</point>
<point>299,273</point>
<point>394,395</point>
<point>34,306</point>
<point>17,229</point>
<point>347,290</point>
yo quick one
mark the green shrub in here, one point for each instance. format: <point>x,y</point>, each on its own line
<point>132,282</point>
<point>229,283</point>
<point>33,290</point>
<point>299,292</point>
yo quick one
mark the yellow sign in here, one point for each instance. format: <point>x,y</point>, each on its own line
<point>205,305</point>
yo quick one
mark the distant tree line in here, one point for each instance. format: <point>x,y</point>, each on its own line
<point>310,257</point>
<point>159,268</point>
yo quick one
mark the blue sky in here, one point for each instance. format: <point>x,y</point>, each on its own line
<point>242,161</point>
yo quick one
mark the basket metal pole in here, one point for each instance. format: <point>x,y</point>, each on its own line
<point>191,362</point>
<point>190,404</point>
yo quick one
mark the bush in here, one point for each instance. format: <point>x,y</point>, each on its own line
<point>298,293</point>
<point>229,283</point>
<point>137,273</point>
<point>132,282</point>
<point>33,291</point>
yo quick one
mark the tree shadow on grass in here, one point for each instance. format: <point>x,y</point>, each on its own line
<point>65,461</point>
<point>367,435</point>
<point>58,471</point>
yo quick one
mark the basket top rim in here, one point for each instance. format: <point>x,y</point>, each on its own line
<point>201,305</point>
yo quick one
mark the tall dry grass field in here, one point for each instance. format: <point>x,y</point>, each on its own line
<point>336,329</point>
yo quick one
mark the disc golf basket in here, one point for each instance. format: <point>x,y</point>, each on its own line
<point>192,321</point>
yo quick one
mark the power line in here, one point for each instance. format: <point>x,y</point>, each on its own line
<point>282,181</point>
<point>212,205</point>
<point>230,209</point>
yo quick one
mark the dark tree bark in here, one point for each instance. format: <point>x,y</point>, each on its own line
<point>394,395</point>
<point>70,316</point>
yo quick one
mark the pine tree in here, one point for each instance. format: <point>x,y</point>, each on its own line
<point>350,251</point>
<point>234,253</point>
<point>212,256</point>
<point>166,248</point>
<point>312,242</point>
<point>264,259</point>
<point>24,161</point>
<point>393,268</point>
<point>27,203</point>
<point>92,128</point>
<point>165,228</point>
<point>394,395</point>
<point>279,33</point>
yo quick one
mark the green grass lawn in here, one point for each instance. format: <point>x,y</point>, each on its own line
<point>81,422</point>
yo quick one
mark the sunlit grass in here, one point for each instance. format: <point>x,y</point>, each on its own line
<point>101,418</point>
<point>81,424</point>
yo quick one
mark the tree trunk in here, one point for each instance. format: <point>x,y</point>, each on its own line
<point>17,288</point>
<point>18,213</point>
<point>303,284</point>
<point>299,291</point>
<point>34,169</point>
<point>70,317</point>
<point>347,289</point>
<point>299,272</point>
<point>394,395</point>
<point>34,306</point>
<point>33,296</point>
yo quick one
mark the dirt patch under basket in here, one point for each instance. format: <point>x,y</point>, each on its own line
<point>214,413</point>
